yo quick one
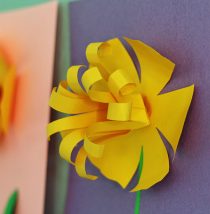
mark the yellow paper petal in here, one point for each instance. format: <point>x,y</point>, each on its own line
<point>96,86</point>
<point>111,55</point>
<point>90,77</point>
<point>120,83</point>
<point>101,96</point>
<point>170,111</point>
<point>93,149</point>
<point>74,122</point>
<point>7,85</point>
<point>80,165</point>
<point>66,148</point>
<point>72,79</point>
<point>120,159</point>
<point>70,105</point>
<point>109,126</point>
<point>3,68</point>
<point>63,89</point>
<point>119,111</point>
<point>138,112</point>
<point>156,70</point>
<point>155,163</point>
<point>68,144</point>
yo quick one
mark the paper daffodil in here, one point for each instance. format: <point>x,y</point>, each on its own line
<point>7,82</point>
<point>116,113</point>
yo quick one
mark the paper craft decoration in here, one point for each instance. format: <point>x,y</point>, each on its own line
<point>29,36</point>
<point>58,170</point>
<point>7,83</point>
<point>118,113</point>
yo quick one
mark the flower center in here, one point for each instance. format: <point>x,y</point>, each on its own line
<point>132,110</point>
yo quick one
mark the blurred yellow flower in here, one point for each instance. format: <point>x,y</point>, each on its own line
<point>117,113</point>
<point>7,85</point>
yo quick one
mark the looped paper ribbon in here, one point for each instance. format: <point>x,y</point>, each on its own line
<point>7,82</point>
<point>116,115</point>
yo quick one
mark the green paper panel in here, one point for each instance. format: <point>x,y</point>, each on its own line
<point>57,172</point>
<point>15,4</point>
<point>6,5</point>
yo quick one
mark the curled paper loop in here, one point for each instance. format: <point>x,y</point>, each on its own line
<point>114,116</point>
<point>7,82</point>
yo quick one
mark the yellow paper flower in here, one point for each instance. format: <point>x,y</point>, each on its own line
<point>117,113</point>
<point>7,83</point>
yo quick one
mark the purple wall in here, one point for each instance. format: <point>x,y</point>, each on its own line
<point>180,30</point>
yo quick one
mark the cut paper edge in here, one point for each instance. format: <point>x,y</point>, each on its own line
<point>165,108</point>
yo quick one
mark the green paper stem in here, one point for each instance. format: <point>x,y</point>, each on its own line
<point>137,202</point>
<point>138,194</point>
<point>11,204</point>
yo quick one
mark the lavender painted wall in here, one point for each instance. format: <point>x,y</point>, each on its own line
<point>180,30</point>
